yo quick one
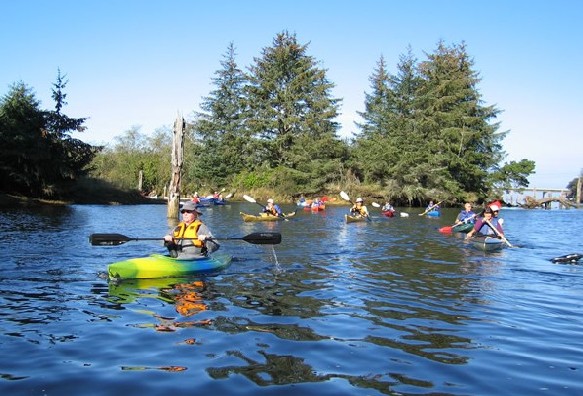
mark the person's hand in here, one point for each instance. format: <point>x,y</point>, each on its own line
<point>168,238</point>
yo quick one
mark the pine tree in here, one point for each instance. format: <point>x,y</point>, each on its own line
<point>461,144</point>
<point>224,143</point>
<point>292,111</point>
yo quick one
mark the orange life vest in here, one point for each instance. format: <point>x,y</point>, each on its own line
<point>190,233</point>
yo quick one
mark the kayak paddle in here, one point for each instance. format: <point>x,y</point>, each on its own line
<point>498,233</point>
<point>429,209</point>
<point>257,238</point>
<point>253,200</point>
<point>449,229</point>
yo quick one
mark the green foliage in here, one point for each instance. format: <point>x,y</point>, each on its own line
<point>224,144</point>
<point>425,134</point>
<point>290,104</point>
<point>512,175</point>
<point>38,157</point>
<point>427,130</point>
<point>131,153</point>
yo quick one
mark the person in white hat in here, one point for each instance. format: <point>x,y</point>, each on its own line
<point>496,210</point>
<point>272,209</point>
<point>358,208</point>
<point>191,237</point>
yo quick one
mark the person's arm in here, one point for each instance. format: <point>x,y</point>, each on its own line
<point>204,233</point>
<point>477,226</point>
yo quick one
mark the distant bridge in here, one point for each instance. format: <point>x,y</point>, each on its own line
<point>513,195</point>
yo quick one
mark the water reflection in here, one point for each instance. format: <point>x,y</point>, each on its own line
<point>386,307</point>
<point>186,295</point>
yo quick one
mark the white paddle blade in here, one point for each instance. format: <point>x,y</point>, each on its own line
<point>344,196</point>
<point>249,199</point>
<point>376,205</point>
<point>403,214</point>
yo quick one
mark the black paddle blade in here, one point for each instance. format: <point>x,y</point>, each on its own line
<point>263,238</point>
<point>108,239</point>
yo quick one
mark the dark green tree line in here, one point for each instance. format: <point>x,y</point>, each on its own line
<point>427,133</point>
<point>38,155</point>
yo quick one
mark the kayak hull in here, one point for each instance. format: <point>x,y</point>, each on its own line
<point>315,208</point>
<point>486,243</point>
<point>388,213</point>
<point>162,266</point>
<point>433,213</point>
<point>463,228</point>
<point>354,219</point>
<point>264,217</point>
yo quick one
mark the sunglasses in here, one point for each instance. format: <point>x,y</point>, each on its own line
<point>188,211</point>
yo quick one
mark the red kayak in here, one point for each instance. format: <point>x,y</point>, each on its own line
<point>388,213</point>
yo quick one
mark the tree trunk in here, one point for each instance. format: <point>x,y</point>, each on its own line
<point>177,160</point>
<point>140,180</point>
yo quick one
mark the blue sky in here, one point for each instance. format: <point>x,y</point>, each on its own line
<point>141,62</point>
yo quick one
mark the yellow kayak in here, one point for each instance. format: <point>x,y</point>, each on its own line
<point>264,217</point>
<point>354,219</point>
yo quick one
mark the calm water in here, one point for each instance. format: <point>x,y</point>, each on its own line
<point>388,307</point>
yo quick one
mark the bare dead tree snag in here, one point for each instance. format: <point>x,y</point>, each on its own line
<point>177,160</point>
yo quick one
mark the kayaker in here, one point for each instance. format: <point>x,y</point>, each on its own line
<point>316,204</point>
<point>466,216</point>
<point>272,209</point>
<point>495,210</point>
<point>387,207</point>
<point>482,227</point>
<point>358,208</point>
<point>431,207</point>
<point>191,237</point>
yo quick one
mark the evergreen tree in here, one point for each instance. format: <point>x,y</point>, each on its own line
<point>39,157</point>
<point>22,151</point>
<point>70,157</point>
<point>225,144</point>
<point>460,144</point>
<point>292,111</point>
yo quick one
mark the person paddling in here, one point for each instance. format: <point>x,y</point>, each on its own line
<point>359,209</point>
<point>465,216</point>
<point>190,238</point>
<point>487,226</point>
<point>272,209</point>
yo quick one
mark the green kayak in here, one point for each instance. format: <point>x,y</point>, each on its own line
<point>464,228</point>
<point>162,266</point>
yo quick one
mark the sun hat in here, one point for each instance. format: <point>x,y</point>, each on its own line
<point>359,200</point>
<point>190,206</point>
<point>270,200</point>
<point>495,208</point>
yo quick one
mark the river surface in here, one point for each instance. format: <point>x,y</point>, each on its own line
<point>389,307</point>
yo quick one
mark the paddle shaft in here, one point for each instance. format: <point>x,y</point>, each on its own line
<point>430,208</point>
<point>498,234</point>
<point>258,238</point>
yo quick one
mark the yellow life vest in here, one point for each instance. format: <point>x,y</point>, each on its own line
<point>189,232</point>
